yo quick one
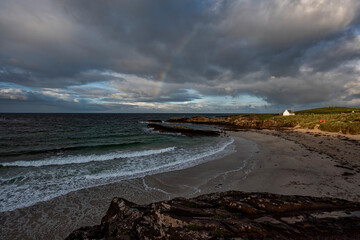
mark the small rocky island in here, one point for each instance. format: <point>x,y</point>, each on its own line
<point>229,215</point>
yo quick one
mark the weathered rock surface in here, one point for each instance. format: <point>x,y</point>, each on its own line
<point>178,119</point>
<point>200,120</point>
<point>229,215</point>
<point>190,132</point>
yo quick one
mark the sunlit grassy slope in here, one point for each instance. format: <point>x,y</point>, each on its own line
<point>329,110</point>
<point>346,123</point>
<point>337,119</point>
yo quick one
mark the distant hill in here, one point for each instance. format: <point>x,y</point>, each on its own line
<point>328,110</point>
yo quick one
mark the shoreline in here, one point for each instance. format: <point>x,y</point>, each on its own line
<point>278,162</point>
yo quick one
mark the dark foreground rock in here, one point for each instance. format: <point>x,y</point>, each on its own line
<point>190,132</point>
<point>229,215</point>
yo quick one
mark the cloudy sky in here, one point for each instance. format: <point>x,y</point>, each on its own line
<point>178,56</point>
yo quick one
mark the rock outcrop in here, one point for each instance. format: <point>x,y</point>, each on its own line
<point>200,120</point>
<point>239,123</point>
<point>244,123</point>
<point>154,121</point>
<point>190,132</point>
<point>229,215</point>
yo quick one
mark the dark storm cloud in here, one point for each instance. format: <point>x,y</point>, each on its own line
<point>62,38</point>
<point>281,51</point>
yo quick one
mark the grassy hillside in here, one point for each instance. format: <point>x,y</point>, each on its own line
<point>348,123</point>
<point>337,119</point>
<point>328,110</point>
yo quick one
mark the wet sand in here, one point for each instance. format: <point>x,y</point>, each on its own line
<point>286,162</point>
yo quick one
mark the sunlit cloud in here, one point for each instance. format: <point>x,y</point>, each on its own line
<point>14,94</point>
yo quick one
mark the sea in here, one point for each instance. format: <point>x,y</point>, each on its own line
<point>43,156</point>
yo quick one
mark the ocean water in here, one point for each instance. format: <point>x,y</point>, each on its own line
<point>43,156</point>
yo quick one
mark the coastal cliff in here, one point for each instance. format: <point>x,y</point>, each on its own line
<point>229,215</point>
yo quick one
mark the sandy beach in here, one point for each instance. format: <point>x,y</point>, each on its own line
<point>294,162</point>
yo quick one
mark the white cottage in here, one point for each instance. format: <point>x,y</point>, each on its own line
<point>288,113</point>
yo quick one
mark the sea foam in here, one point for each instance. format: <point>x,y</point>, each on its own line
<point>45,183</point>
<point>77,159</point>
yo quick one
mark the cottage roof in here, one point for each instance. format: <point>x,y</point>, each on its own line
<point>289,112</point>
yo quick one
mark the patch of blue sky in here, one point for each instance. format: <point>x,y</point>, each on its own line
<point>3,71</point>
<point>88,100</point>
<point>16,86</point>
<point>97,100</point>
<point>358,30</point>
<point>228,100</point>
<point>101,84</point>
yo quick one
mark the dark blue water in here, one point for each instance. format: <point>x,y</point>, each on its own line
<point>46,155</point>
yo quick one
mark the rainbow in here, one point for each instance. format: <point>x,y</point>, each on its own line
<point>180,47</point>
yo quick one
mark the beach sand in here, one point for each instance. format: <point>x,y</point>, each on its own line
<point>292,162</point>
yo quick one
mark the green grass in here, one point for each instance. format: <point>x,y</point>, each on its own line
<point>348,123</point>
<point>337,119</point>
<point>194,227</point>
<point>218,232</point>
<point>328,110</point>
<point>253,116</point>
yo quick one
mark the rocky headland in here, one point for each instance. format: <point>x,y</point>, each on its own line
<point>229,215</point>
<point>190,132</point>
<point>345,123</point>
<point>229,123</point>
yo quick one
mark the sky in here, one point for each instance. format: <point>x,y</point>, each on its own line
<point>214,56</point>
